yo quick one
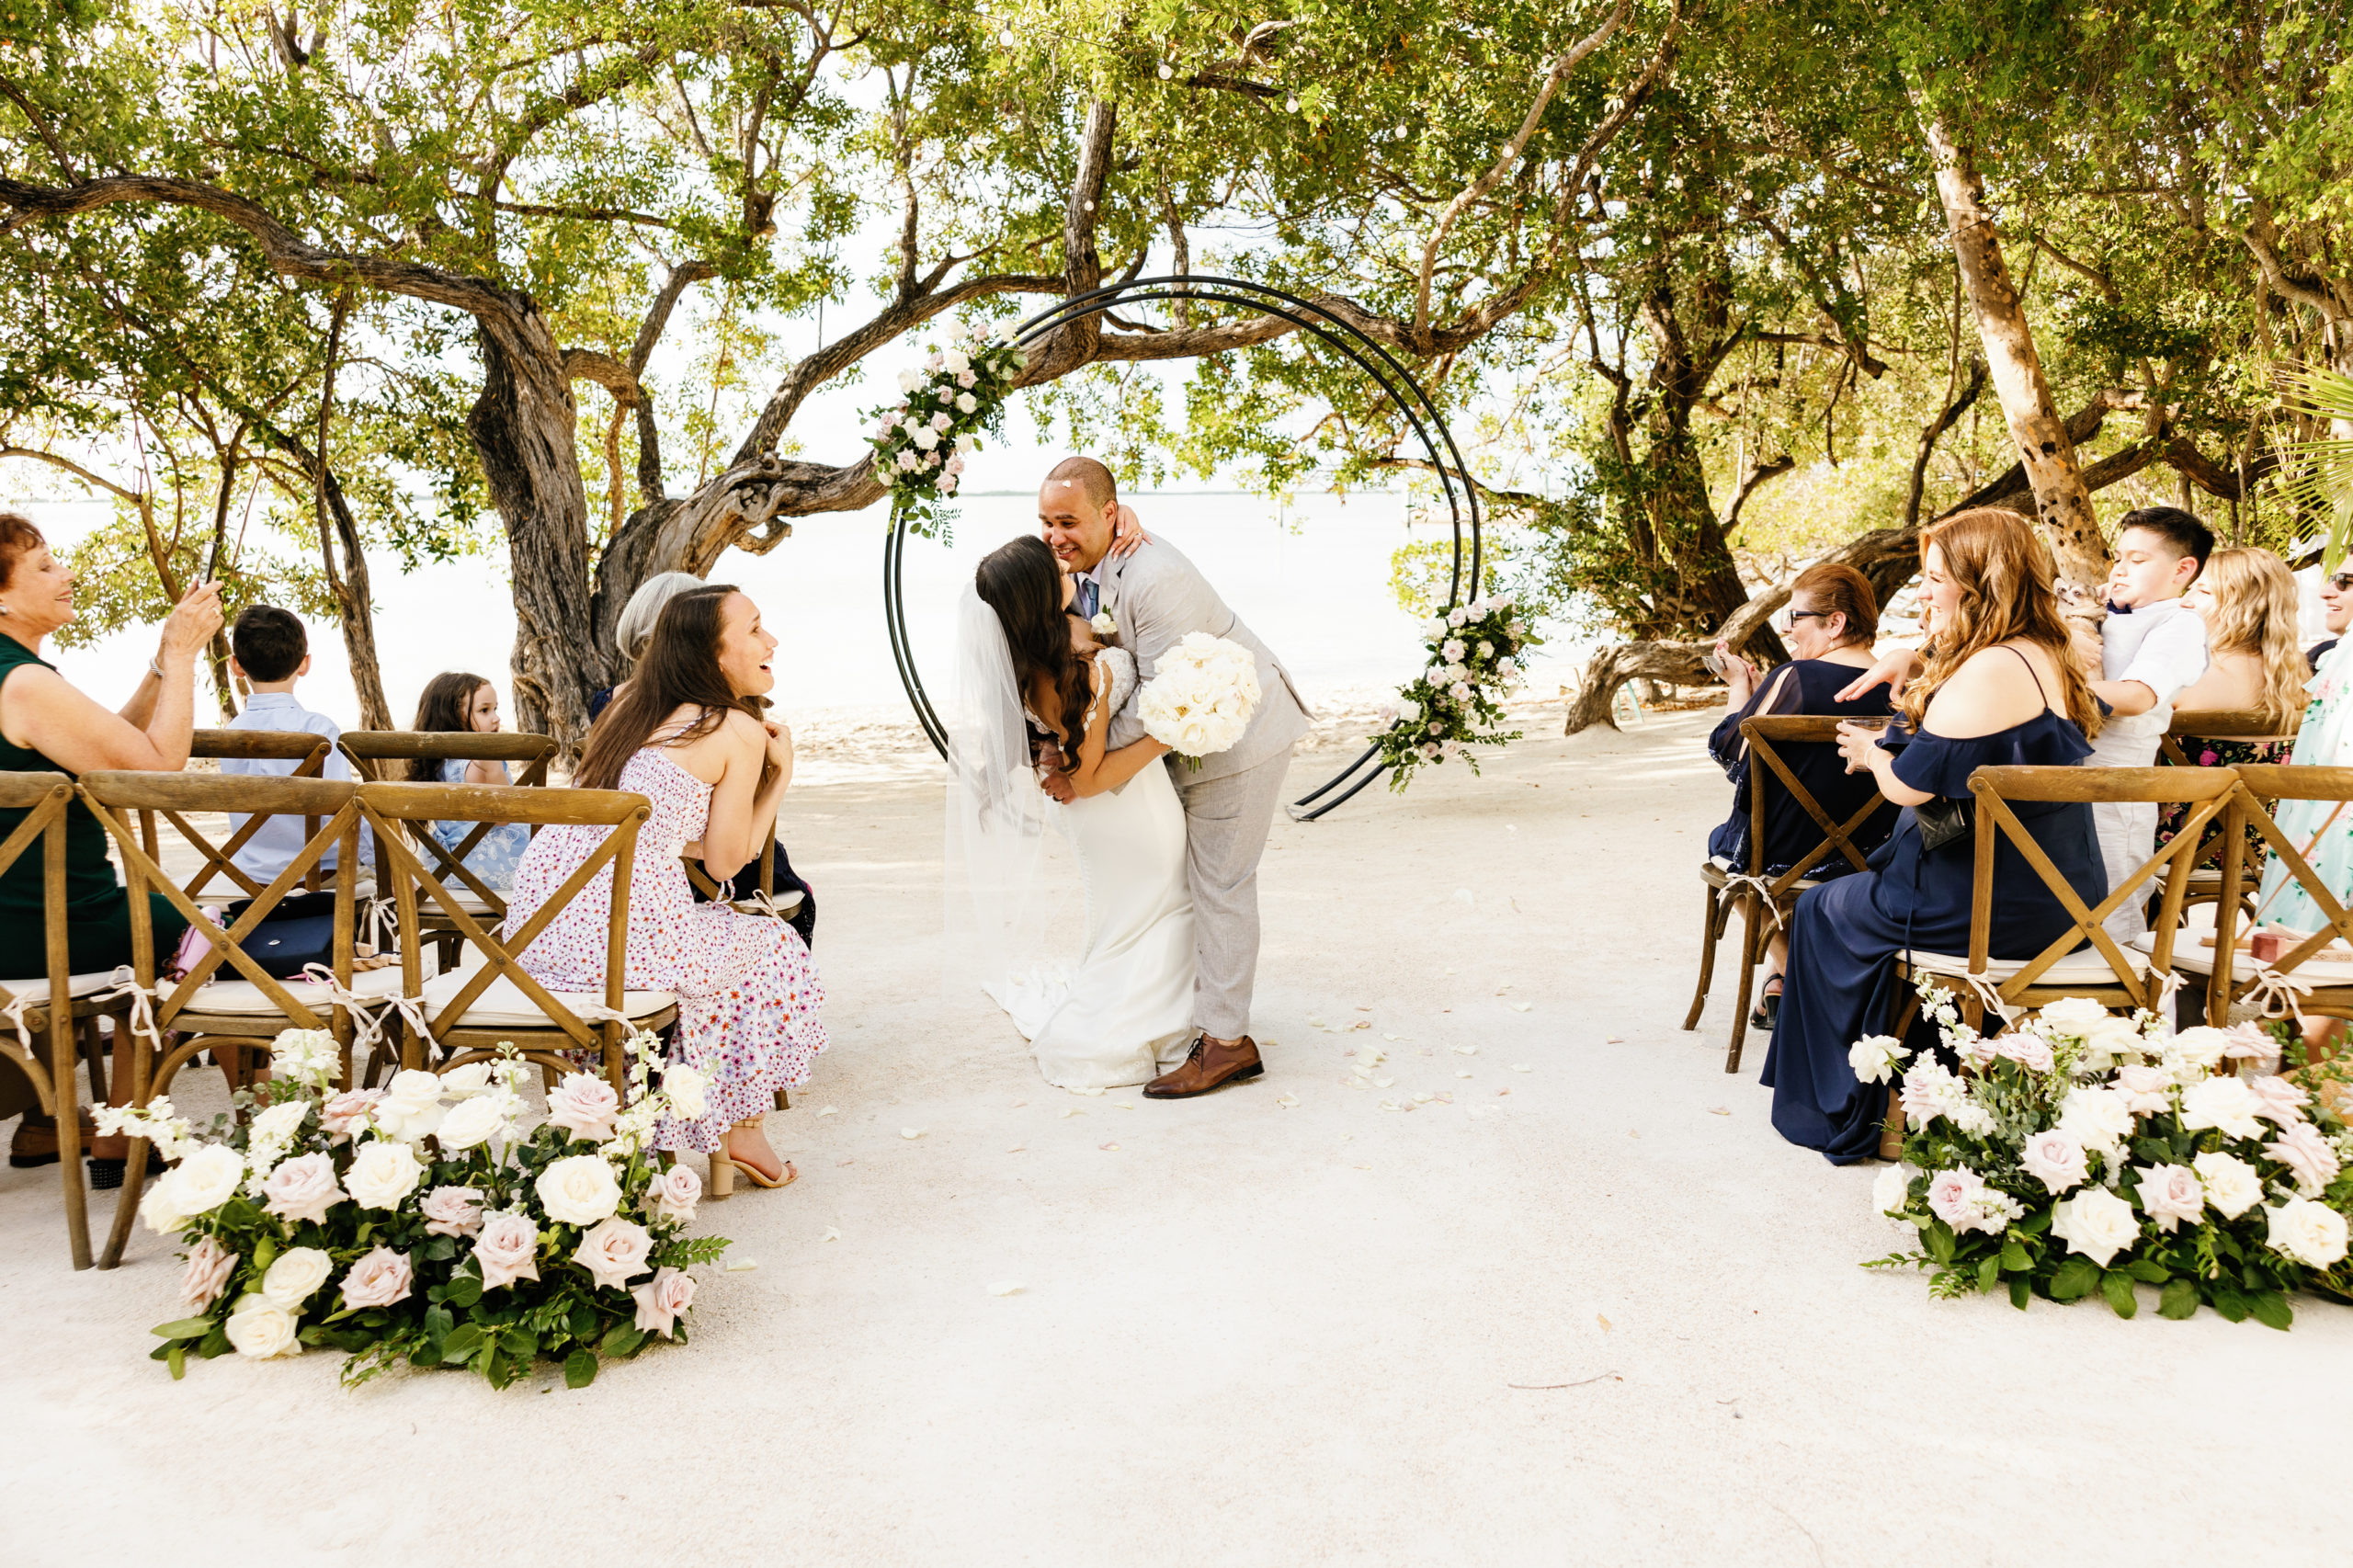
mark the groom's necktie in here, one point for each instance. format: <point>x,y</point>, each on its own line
<point>1089,595</point>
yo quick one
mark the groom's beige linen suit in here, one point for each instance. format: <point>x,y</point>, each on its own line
<point>1156,596</point>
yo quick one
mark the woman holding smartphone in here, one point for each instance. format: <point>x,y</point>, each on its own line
<point>1832,618</point>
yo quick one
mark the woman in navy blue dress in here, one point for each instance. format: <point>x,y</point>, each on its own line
<point>1831,623</point>
<point>2000,689</point>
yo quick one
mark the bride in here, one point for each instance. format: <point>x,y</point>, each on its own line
<point>1029,669</point>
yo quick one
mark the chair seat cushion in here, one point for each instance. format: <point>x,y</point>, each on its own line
<point>505,1006</point>
<point>246,999</point>
<point>2086,968</point>
<point>36,992</point>
<point>1715,871</point>
<point>2192,959</point>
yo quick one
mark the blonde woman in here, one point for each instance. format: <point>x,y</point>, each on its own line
<point>2247,598</point>
<point>1999,688</point>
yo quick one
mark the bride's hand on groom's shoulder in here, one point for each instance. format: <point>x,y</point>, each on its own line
<point>1127,534</point>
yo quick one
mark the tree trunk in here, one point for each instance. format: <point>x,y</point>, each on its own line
<point>2045,450</point>
<point>1613,667</point>
<point>523,430</point>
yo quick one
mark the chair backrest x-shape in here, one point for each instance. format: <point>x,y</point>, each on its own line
<point>1765,735</point>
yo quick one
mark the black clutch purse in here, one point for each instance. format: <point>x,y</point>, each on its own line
<point>1942,820</point>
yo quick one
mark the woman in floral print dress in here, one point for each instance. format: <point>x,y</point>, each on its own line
<point>684,732</point>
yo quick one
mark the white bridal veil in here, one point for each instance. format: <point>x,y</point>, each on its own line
<point>997,897</point>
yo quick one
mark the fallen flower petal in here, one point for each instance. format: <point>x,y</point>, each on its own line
<point>1006,1287</point>
<point>831,1234</point>
<point>1522,1006</point>
<point>829,1110</point>
<point>1466,1050</point>
<point>742,1265</point>
<point>1111,1148</point>
<point>1521,1067</point>
<point>1719,1110</point>
<point>1286,1101</point>
<point>911,1131</point>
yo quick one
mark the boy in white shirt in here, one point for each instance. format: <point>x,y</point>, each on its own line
<point>271,650</point>
<point>2152,647</point>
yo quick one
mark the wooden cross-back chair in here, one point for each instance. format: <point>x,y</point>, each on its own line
<point>382,755</point>
<point>1746,889</point>
<point>308,753</point>
<point>768,903</point>
<point>2111,974</point>
<point>24,1002</point>
<point>471,1010</point>
<point>227,1002</point>
<point>2321,980</point>
<point>2215,724</point>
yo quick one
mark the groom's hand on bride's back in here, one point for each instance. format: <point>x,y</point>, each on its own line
<point>1059,786</point>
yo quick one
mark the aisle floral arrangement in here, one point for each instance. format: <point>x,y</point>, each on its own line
<point>1202,696</point>
<point>921,441</point>
<point>419,1222</point>
<point>2081,1152</point>
<point>1476,652</point>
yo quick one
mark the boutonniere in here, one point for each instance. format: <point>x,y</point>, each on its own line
<point>1103,625</point>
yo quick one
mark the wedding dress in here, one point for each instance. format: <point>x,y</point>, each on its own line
<point>1120,1012</point>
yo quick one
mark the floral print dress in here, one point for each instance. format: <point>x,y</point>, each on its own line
<point>2325,827</point>
<point>748,996</point>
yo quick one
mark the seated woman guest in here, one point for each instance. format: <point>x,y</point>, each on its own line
<point>48,726</point>
<point>634,629</point>
<point>685,734</point>
<point>467,704</point>
<point>1831,619</point>
<point>2248,600</point>
<point>1999,688</point>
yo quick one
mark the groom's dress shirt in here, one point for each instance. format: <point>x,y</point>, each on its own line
<point>1091,593</point>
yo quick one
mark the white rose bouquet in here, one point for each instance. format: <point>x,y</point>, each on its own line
<point>1202,696</point>
<point>2080,1153</point>
<point>921,441</point>
<point>1476,654</point>
<point>396,1227</point>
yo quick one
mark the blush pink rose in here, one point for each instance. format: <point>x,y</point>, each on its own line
<point>663,1301</point>
<point>2279,1101</point>
<point>614,1251</point>
<point>507,1250</point>
<point>2028,1049</point>
<point>2147,1090</point>
<point>452,1210</point>
<point>303,1188</point>
<point>209,1267</point>
<point>377,1279</point>
<point>2172,1194</point>
<point>585,1106</point>
<point>674,1194</point>
<point>340,1116</point>
<point>2307,1155</point>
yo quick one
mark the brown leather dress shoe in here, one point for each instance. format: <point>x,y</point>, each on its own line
<point>1211,1064</point>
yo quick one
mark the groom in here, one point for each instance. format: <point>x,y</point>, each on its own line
<point>1154,597</point>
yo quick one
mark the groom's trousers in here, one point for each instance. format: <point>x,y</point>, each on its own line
<point>1226,821</point>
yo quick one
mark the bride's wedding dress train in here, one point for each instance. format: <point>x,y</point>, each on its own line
<point>1123,1014</point>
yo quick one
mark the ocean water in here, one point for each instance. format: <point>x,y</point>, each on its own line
<point>1312,578</point>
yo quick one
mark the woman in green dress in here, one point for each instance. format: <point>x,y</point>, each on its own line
<point>47,726</point>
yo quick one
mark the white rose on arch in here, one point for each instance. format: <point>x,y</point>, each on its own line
<point>925,437</point>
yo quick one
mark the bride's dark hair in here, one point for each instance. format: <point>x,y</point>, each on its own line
<point>1021,582</point>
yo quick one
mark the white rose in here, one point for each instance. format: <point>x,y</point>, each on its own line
<point>579,1190</point>
<point>2223,1103</point>
<point>2310,1233</point>
<point>197,1186</point>
<point>2170,1195</point>
<point>925,437</point>
<point>2097,1224</point>
<point>260,1328</point>
<point>1409,711</point>
<point>309,1056</point>
<point>2073,1015</point>
<point>1434,627</point>
<point>967,404</point>
<point>2110,1038</point>
<point>967,442</point>
<point>1874,1057</point>
<point>472,1121</point>
<point>292,1277</point>
<point>461,1083</point>
<point>2148,1091</point>
<point>1487,650</point>
<point>955,361</point>
<point>1507,668</point>
<point>382,1174</point>
<point>411,1107</point>
<point>1892,1191</point>
<point>910,381</point>
<point>2202,1047</point>
<point>685,1087</point>
<point>280,1121</point>
<point>2055,1159</point>
<point>2097,1118</point>
<point>2232,1185</point>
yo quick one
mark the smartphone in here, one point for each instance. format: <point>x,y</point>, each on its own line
<point>1713,663</point>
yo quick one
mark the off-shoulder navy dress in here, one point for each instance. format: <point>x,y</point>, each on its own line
<point>1840,984</point>
<point>1808,687</point>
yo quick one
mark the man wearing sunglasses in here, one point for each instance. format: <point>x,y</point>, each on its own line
<point>2336,611</point>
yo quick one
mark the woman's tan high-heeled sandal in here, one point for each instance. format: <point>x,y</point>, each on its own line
<point>722,1169</point>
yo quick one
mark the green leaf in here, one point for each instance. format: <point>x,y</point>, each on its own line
<point>2179,1300</point>
<point>580,1369</point>
<point>2231,1302</point>
<point>2013,1258</point>
<point>2034,1224</point>
<point>466,1290</point>
<point>2074,1280</point>
<point>622,1340</point>
<point>1940,1239</point>
<point>2148,1271</point>
<point>460,1342</point>
<point>2021,1289</point>
<point>265,1253</point>
<point>2270,1309</point>
<point>583,1321</point>
<point>175,1356</point>
<point>185,1328</point>
<point>1989,1270</point>
<point>437,1323</point>
<point>2117,1285</point>
<point>213,1343</point>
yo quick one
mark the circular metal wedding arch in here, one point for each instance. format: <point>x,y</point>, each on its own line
<point>1397,384</point>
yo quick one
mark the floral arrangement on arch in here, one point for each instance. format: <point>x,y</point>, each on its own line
<point>920,442</point>
<point>420,1222</point>
<point>1476,651</point>
<point>2082,1152</point>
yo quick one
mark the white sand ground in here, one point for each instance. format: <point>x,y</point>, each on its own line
<point>1250,1334</point>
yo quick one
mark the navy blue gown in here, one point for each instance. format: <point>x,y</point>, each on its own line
<point>1811,687</point>
<point>1840,984</point>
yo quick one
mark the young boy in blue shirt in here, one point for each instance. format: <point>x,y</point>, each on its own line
<point>271,650</point>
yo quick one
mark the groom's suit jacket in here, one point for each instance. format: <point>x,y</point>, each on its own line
<point>1156,596</point>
